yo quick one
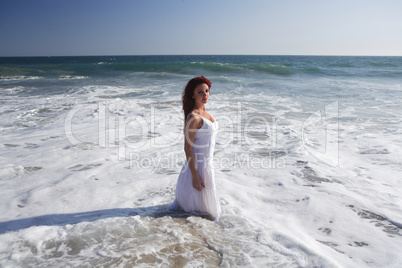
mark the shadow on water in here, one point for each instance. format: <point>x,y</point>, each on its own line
<point>74,218</point>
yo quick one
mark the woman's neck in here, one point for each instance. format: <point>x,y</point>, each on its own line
<point>200,107</point>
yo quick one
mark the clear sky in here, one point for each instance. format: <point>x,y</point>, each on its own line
<point>155,27</point>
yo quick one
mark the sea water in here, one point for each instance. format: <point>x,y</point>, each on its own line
<point>308,162</point>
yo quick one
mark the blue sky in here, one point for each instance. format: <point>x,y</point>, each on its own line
<point>155,27</point>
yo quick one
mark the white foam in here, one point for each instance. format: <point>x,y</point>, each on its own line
<point>19,77</point>
<point>72,77</point>
<point>85,198</point>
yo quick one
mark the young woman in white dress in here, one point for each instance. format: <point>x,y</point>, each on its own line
<point>195,189</point>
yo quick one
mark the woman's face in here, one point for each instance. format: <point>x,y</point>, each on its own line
<point>201,94</point>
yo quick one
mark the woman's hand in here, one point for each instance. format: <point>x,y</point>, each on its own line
<point>198,184</point>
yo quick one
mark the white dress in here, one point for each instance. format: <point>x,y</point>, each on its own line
<point>188,198</point>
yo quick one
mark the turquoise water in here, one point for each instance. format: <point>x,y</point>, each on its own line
<point>310,78</point>
<point>112,66</point>
<point>303,75</point>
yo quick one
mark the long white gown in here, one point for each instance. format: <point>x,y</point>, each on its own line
<point>188,198</point>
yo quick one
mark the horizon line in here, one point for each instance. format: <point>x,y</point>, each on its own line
<point>149,55</point>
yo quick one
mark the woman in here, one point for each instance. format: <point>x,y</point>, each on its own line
<point>195,189</point>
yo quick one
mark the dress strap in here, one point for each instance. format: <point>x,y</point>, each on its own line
<point>194,114</point>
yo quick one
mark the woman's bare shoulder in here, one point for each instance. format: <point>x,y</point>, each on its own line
<point>194,120</point>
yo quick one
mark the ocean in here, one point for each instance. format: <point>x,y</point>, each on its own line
<point>307,161</point>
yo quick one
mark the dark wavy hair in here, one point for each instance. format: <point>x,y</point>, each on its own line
<point>188,93</point>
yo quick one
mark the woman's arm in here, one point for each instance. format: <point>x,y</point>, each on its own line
<point>193,123</point>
